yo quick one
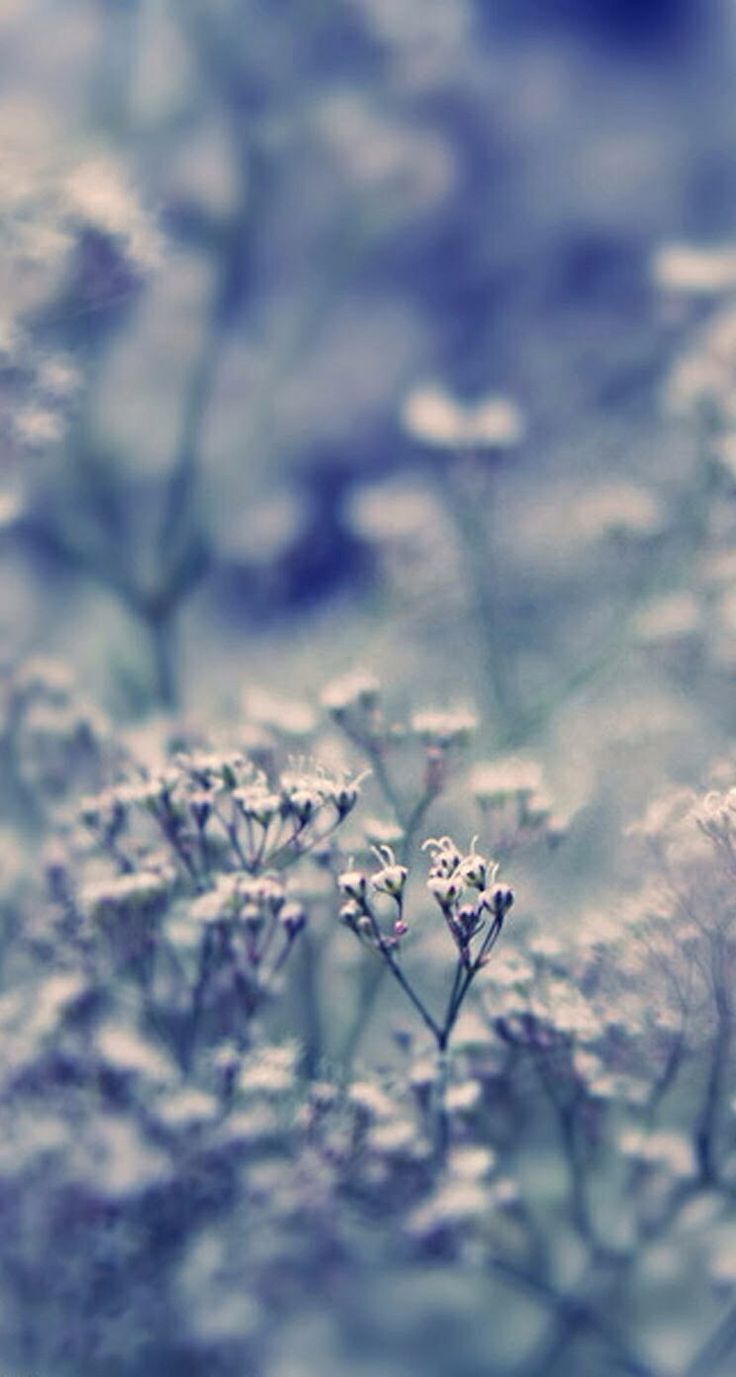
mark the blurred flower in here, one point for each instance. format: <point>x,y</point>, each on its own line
<point>433,417</point>
<point>696,271</point>
<point>451,727</point>
<point>624,509</point>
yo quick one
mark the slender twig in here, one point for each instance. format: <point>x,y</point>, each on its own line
<point>398,974</point>
<point>706,1131</point>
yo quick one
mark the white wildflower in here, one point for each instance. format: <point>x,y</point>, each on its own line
<point>358,690</point>
<point>508,777</point>
<point>451,727</point>
<point>687,269</point>
<point>435,418</point>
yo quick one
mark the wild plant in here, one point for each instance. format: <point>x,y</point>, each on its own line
<point>473,907</point>
<point>190,886</point>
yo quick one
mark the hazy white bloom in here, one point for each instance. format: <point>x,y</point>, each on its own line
<point>568,1009</point>
<point>696,271</point>
<point>662,1148</point>
<point>114,1159</point>
<point>11,507</point>
<point>136,892</point>
<point>471,1162</point>
<point>453,726</point>
<point>423,1073</point>
<point>358,690</point>
<point>369,1097</point>
<point>394,1136</point>
<point>395,510</point>
<point>127,1050</point>
<point>504,1193</point>
<point>36,427</point>
<point>494,781</point>
<point>463,1097</point>
<point>187,1107</point>
<point>675,617</point>
<point>510,970</point>
<point>665,815</point>
<point>43,676</point>
<point>58,378</point>
<point>435,418</point>
<point>380,832</point>
<point>617,509</point>
<point>271,1072</point>
<point>456,1203</point>
<point>43,1013</point>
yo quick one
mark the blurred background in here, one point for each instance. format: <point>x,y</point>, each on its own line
<point>259,255</point>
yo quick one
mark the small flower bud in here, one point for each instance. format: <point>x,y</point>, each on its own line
<point>293,918</point>
<point>353,883</point>
<point>503,898</point>
<point>445,890</point>
<point>350,913</point>
<point>390,880</point>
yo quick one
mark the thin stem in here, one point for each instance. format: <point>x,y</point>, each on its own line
<point>311,1003</point>
<point>456,983</point>
<point>441,1118</point>
<point>198,995</point>
<point>398,974</point>
<point>460,989</point>
<point>161,632</point>
<point>706,1132</point>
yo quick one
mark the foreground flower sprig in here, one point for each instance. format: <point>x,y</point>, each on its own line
<point>473,905</point>
<point>193,889</point>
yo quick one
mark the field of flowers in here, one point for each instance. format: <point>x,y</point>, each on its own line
<point>367,665</point>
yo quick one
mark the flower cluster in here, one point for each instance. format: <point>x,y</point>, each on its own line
<point>188,884</point>
<point>473,905</point>
<point>216,810</point>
